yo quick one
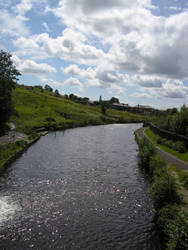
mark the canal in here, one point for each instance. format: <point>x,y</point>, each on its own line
<point>78,189</point>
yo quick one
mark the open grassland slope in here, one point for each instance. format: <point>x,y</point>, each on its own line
<point>34,110</point>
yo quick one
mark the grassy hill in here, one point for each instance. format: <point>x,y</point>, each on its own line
<point>35,109</point>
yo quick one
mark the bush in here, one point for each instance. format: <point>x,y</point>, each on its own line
<point>165,215</point>
<point>163,190</point>
<point>157,166</point>
<point>173,225</point>
<point>146,151</point>
<point>180,147</point>
<point>184,179</point>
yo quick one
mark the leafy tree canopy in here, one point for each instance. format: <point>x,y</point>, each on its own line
<point>7,67</point>
<point>47,87</point>
<point>8,74</point>
<point>114,100</point>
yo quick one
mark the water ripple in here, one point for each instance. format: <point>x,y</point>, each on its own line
<point>78,189</point>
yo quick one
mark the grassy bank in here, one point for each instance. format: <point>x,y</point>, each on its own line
<point>171,210</point>
<point>10,151</point>
<point>157,140</point>
<point>34,109</point>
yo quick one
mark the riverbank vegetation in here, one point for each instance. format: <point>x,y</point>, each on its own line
<point>8,151</point>
<point>175,148</point>
<point>171,211</point>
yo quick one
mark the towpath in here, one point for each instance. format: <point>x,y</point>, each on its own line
<point>166,156</point>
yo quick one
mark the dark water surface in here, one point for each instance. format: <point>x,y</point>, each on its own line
<point>78,189</point>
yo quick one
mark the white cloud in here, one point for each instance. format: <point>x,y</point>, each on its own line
<point>70,46</point>
<point>142,95</point>
<point>12,25</point>
<point>141,49</point>
<point>140,42</point>
<point>23,7</point>
<point>117,89</point>
<point>74,83</point>
<point>51,82</point>
<point>173,89</point>
<point>100,77</point>
<point>31,67</point>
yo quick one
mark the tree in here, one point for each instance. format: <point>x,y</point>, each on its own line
<point>57,92</point>
<point>48,88</point>
<point>114,100</point>
<point>7,68</point>
<point>8,74</point>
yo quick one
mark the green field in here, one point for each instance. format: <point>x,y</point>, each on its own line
<point>34,109</point>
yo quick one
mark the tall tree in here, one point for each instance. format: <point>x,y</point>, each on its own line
<point>7,68</point>
<point>8,74</point>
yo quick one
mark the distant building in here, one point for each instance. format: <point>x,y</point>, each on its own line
<point>120,106</point>
<point>143,109</point>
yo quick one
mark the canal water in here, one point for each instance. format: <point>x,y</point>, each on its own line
<point>78,189</point>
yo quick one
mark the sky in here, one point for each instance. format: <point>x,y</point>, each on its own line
<point>136,50</point>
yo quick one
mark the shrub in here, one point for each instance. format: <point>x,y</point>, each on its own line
<point>173,224</point>
<point>180,147</point>
<point>146,151</point>
<point>164,190</point>
<point>157,165</point>
<point>184,179</point>
<point>165,215</point>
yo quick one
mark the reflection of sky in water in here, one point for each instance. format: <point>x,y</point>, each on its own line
<point>7,209</point>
